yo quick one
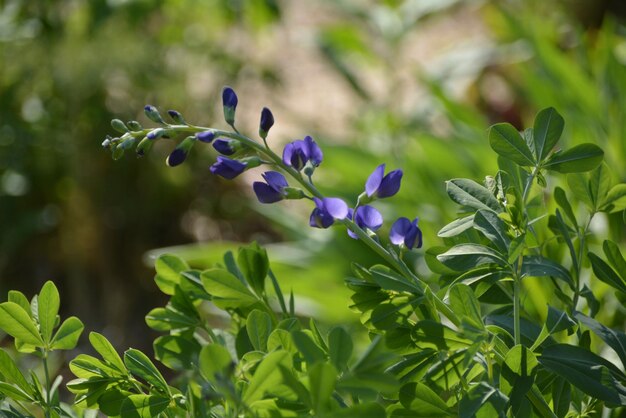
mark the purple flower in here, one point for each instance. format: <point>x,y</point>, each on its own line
<point>227,168</point>
<point>297,153</point>
<point>229,101</point>
<point>224,146</point>
<point>205,136</point>
<point>366,217</point>
<point>267,121</point>
<point>406,232</point>
<point>273,190</point>
<point>327,210</point>
<point>379,187</point>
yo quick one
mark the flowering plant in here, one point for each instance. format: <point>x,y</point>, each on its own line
<point>463,345</point>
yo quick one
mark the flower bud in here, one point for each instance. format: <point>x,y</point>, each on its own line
<point>226,146</point>
<point>133,125</point>
<point>153,114</point>
<point>177,117</point>
<point>156,133</point>
<point>229,101</point>
<point>107,142</point>
<point>144,146</point>
<point>117,152</point>
<point>267,121</point>
<point>252,162</point>
<point>205,136</point>
<point>293,193</point>
<point>179,155</point>
<point>119,126</point>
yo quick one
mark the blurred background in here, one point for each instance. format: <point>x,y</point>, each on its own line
<point>413,83</point>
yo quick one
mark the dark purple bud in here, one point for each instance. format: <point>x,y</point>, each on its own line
<point>157,133</point>
<point>267,121</point>
<point>407,233</point>
<point>379,186</point>
<point>179,155</point>
<point>273,189</point>
<point>366,217</point>
<point>224,146</point>
<point>205,136</point>
<point>177,117</point>
<point>227,168</point>
<point>153,114</point>
<point>327,210</point>
<point>229,101</point>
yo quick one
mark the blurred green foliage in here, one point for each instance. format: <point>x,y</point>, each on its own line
<point>422,81</point>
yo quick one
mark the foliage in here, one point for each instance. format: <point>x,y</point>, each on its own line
<point>464,346</point>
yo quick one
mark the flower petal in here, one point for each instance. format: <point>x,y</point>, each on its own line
<point>275,180</point>
<point>266,193</point>
<point>335,207</point>
<point>369,217</point>
<point>390,184</point>
<point>373,181</point>
<point>399,230</point>
<point>313,151</point>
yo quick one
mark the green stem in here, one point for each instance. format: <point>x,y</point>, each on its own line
<point>529,183</point>
<point>516,310</point>
<point>47,376</point>
<point>581,249</point>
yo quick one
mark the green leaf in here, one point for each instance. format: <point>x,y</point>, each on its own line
<point>521,360</point>
<point>422,401</point>
<point>538,266</point>
<point>590,373</point>
<point>469,193</point>
<point>547,131</point>
<point>259,326</point>
<point>140,366</point>
<point>107,351</point>
<point>143,406</point>
<point>85,366</point>
<point>168,318</point>
<point>579,185</point>
<point>176,352</point>
<point>267,375</point>
<point>493,228</point>
<point>482,396</point>
<point>387,279</point>
<point>48,308</point>
<point>614,256</point>
<point>507,142</point>
<point>19,298</point>
<point>363,410</point>
<point>599,185</point>
<point>226,289</point>
<point>581,158</point>
<point>110,402</point>
<point>561,200</point>
<point>18,324</point>
<point>311,352</point>
<point>558,321</point>
<point>603,272</point>
<point>215,362</point>
<point>254,264</point>
<point>14,392</point>
<point>339,348</point>
<point>280,339</point>
<point>322,380</point>
<point>463,257</point>
<point>68,334</point>
<point>465,305</point>
<point>168,268</point>
<point>615,200</point>
<point>456,227</point>
<point>11,373</point>
<point>614,339</point>
<point>561,397</point>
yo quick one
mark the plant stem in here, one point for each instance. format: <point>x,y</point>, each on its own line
<point>47,376</point>
<point>516,310</point>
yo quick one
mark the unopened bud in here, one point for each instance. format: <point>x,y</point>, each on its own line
<point>229,101</point>
<point>205,136</point>
<point>144,146</point>
<point>293,193</point>
<point>179,155</point>
<point>127,143</point>
<point>119,126</point>
<point>156,133</point>
<point>153,114</point>
<point>117,152</point>
<point>251,162</point>
<point>133,125</point>
<point>226,146</point>
<point>177,117</point>
<point>267,121</point>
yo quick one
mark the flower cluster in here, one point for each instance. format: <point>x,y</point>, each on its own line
<point>239,153</point>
